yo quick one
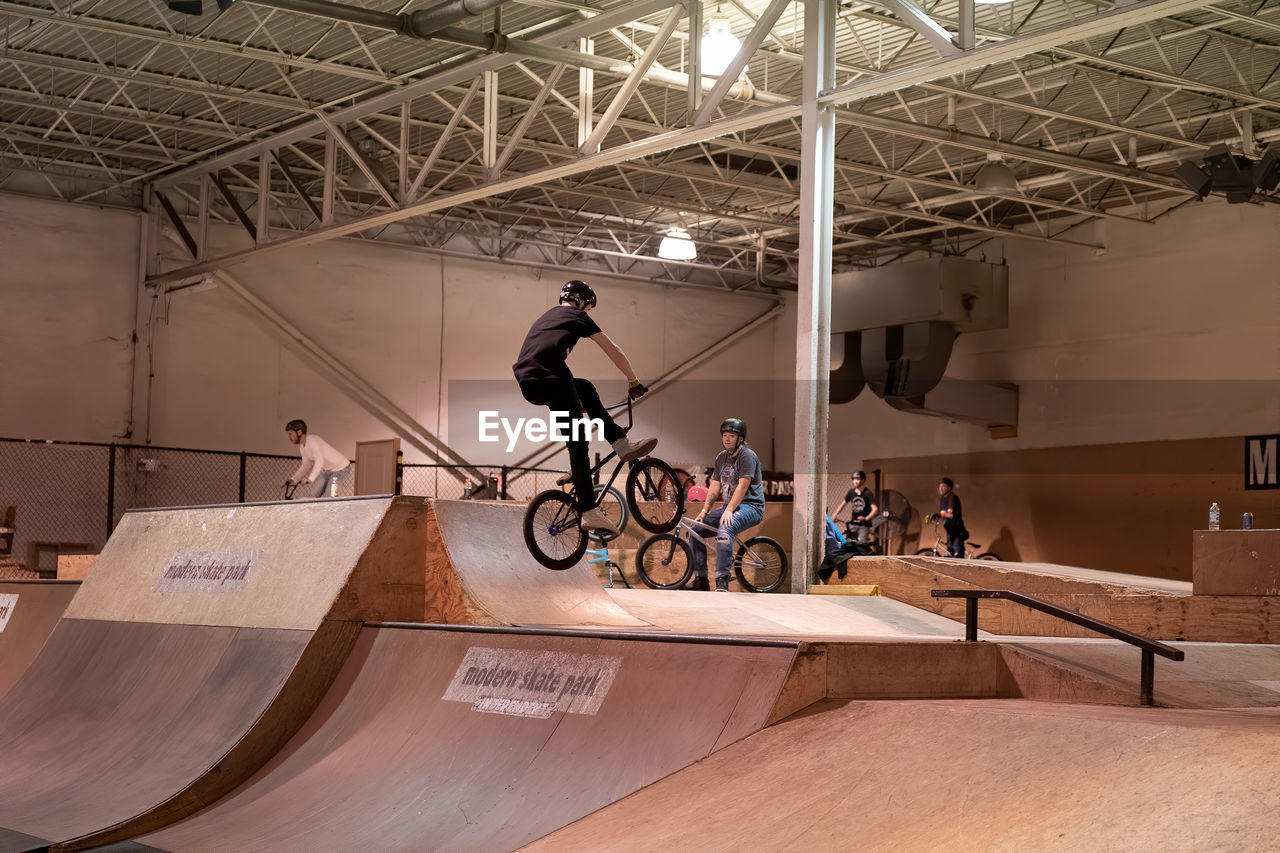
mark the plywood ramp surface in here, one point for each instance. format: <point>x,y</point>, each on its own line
<point>403,754</point>
<point>981,776</point>
<point>800,617</point>
<point>481,573</point>
<point>129,725</point>
<point>286,565</point>
<point>28,612</point>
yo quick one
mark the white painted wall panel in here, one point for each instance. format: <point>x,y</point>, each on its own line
<point>68,275</point>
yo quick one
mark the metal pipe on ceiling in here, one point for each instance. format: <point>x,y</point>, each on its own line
<point>422,23</point>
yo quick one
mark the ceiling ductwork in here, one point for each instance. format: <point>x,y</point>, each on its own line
<point>899,323</point>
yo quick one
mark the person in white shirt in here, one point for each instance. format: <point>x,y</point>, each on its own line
<point>322,468</point>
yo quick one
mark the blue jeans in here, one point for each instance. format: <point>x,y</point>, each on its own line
<point>744,517</point>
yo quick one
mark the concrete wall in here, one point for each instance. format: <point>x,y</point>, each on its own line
<point>68,275</point>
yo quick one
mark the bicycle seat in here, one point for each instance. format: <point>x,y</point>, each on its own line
<point>605,536</point>
<point>974,545</point>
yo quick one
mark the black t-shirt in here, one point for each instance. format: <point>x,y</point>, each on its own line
<point>951,501</point>
<point>859,500</point>
<point>549,342</point>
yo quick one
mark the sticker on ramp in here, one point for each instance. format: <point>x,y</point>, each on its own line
<point>8,601</point>
<point>207,571</point>
<point>524,683</point>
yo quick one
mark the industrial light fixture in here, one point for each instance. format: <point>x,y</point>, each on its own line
<point>719,46</point>
<point>991,2</point>
<point>995,175</point>
<point>677,245</point>
<point>1233,175</point>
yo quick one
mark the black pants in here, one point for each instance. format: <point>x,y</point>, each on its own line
<point>956,537</point>
<point>574,396</point>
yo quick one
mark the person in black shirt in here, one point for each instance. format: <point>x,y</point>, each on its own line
<point>862,502</point>
<point>952,517</point>
<point>545,380</point>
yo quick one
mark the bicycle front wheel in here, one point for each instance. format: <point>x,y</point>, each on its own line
<point>761,564</point>
<point>664,561</point>
<point>654,496</point>
<point>552,531</point>
<point>613,506</point>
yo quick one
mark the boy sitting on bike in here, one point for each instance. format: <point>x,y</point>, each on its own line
<point>736,477</point>
<point>545,380</point>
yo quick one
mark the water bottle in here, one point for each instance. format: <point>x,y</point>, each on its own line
<point>1215,516</point>
<point>1248,521</point>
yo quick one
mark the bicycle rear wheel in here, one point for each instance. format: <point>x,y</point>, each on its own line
<point>664,561</point>
<point>761,564</point>
<point>552,531</point>
<point>928,552</point>
<point>987,555</point>
<point>613,506</point>
<point>654,495</point>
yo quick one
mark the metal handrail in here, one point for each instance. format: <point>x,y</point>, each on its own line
<point>1150,648</point>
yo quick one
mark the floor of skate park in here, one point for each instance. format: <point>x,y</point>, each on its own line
<point>488,704</point>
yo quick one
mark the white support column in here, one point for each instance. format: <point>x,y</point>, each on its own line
<point>202,223</point>
<point>586,86</point>
<point>264,197</point>
<point>489,156</point>
<point>813,320</point>
<point>695,57</point>
<point>967,37</point>
<point>330,178</point>
<point>402,164</point>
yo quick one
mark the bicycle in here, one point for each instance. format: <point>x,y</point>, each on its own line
<point>972,550</point>
<point>289,488</point>
<point>551,526</point>
<point>665,561</point>
<point>601,555</point>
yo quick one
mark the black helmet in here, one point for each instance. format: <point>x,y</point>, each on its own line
<point>296,425</point>
<point>579,292</point>
<point>734,425</point>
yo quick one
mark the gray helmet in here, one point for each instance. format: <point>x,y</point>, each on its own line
<point>579,292</point>
<point>736,426</point>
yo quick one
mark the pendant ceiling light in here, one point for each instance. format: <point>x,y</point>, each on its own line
<point>719,46</point>
<point>995,175</point>
<point>677,245</point>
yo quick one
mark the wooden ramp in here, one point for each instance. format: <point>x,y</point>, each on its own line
<point>28,611</point>
<point>983,776</point>
<point>200,642</point>
<point>484,575</point>
<point>436,739</point>
<point>1154,607</point>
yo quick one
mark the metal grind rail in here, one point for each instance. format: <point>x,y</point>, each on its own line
<point>1150,648</point>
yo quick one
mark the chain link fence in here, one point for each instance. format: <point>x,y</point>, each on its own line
<point>500,482</point>
<point>70,495</point>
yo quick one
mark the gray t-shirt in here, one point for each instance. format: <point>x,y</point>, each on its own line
<point>729,469</point>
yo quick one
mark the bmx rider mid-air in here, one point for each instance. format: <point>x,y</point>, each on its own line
<point>545,380</point>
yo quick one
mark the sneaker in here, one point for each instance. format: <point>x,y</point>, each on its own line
<point>565,480</point>
<point>594,519</point>
<point>722,584</point>
<point>698,583</point>
<point>628,449</point>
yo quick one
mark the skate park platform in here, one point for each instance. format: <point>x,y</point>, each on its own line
<point>398,674</point>
<point>1154,607</point>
